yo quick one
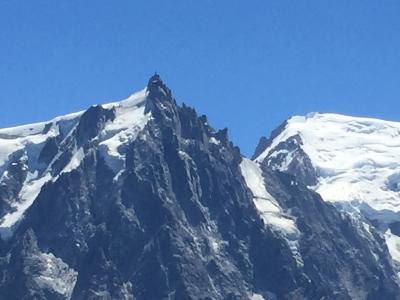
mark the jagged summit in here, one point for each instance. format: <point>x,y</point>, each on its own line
<point>155,80</point>
<point>157,88</point>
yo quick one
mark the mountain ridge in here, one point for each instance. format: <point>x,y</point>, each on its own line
<point>147,201</point>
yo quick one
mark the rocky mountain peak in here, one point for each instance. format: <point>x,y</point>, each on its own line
<point>143,199</point>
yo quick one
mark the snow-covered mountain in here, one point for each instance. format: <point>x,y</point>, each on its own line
<point>32,155</point>
<point>143,199</point>
<point>351,162</point>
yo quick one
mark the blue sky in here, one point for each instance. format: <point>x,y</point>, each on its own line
<point>248,65</point>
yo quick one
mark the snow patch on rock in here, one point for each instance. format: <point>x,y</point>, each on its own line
<point>270,210</point>
<point>74,162</point>
<point>28,194</point>
<point>55,275</point>
<point>257,297</point>
<point>393,243</point>
<point>213,140</point>
<point>130,119</point>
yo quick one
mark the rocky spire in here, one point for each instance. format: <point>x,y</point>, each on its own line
<point>157,88</point>
<point>158,92</point>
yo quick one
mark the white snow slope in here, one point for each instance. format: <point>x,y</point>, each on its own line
<point>30,139</point>
<point>357,161</point>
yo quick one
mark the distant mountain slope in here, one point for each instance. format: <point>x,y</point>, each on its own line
<point>351,162</point>
<point>142,199</point>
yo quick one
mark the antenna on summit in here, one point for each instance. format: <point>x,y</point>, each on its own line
<point>155,77</point>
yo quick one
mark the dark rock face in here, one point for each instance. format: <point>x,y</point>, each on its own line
<point>287,155</point>
<point>263,144</point>
<point>13,178</point>
<point>49,151</point>
<point>33,274</point>
<point>178,222</point>
<point>299,165</point>
<point>92,122</point>
<point>395,228</point>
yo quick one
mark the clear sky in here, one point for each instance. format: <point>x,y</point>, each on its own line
<point>248,65</point>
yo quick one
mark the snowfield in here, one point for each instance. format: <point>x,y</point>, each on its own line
<point>357,159</point>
